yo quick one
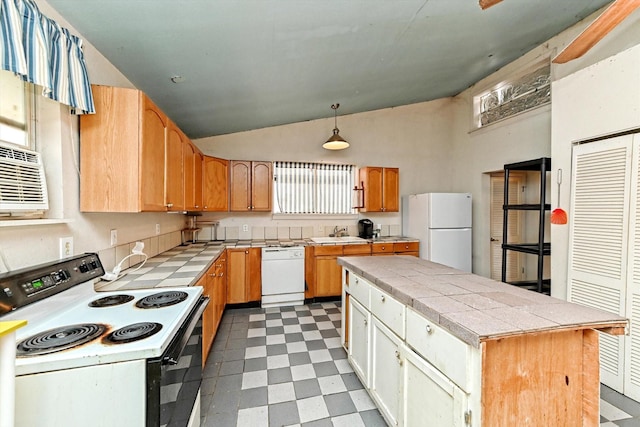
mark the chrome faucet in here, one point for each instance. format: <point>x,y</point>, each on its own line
<point>338,232</point>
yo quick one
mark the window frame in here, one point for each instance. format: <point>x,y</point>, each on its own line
<point>348,192</point>
<point>29,106</point>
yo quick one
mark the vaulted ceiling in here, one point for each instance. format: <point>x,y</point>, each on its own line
<point>249,64</point>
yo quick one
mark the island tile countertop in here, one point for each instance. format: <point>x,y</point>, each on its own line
<point>472,307</point>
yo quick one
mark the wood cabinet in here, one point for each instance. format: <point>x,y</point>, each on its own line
<point>174,187</point>
<point>208,333</point>
<point>244,275</point>
<point>219,289</point>
<point>122,153</point>
<point>382,248</point>
<point>215,184</point>
<point>328,274</point>
<point>214,287</point>
<point>381,189</point>
<point>250,186</point>
<point>407,248</point>
<point>198,177</point>
<point>322,272</point>
<point>192,181</point>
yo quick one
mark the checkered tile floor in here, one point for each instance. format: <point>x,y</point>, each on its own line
<point>286,367</point>
<point>283,367</point>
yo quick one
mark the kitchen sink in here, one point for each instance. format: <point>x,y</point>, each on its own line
<point>338,240</point>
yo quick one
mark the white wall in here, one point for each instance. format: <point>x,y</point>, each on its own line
<point>600,99</point>
<point>416,138</point>
<point>58,137</point>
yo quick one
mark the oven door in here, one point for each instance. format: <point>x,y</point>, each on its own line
<point>173,379</point>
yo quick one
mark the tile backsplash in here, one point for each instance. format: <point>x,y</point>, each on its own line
<point>208,232</point>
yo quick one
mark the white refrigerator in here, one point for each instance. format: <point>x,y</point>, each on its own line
<point>442,222</point>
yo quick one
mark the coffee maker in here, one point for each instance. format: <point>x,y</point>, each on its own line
<point>365,228</point>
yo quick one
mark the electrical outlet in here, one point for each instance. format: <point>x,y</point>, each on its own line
<point>66,247</point>
<point>157,229</point>
<point>114,237</point>
<point>245,227</point>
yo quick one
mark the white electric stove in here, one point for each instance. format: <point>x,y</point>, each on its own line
<point>138,350</point>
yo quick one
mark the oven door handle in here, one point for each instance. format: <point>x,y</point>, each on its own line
<point>179,342</point>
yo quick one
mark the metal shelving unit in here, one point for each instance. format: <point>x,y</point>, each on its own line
<point>539,248</point>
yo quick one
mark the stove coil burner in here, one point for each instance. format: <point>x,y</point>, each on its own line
<point>162,299</point>
<point>111,300</point>
<point>58,339</point>
<point>133,332</point>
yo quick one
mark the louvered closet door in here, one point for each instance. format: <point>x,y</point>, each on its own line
<point>632,342</point>
<point>599,225</point>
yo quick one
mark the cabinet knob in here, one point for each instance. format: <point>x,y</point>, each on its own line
<point>356,280</point>
<point>429,329</point>
<point>221,274</point>
<point>169,205</point>
<point>382,298</point>
<point>383,248</point>
<point>366,322</point>
<point>406,246</point>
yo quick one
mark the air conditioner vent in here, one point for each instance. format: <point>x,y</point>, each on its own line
<point>23,185</point>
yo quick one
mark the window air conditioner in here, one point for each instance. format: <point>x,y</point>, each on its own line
<point>23,187</point>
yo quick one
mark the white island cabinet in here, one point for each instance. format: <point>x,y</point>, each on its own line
<point>435,346</point>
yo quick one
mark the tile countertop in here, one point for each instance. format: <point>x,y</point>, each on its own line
<point>184,265</point>
<point>472,307</point>
<point>180,266</point>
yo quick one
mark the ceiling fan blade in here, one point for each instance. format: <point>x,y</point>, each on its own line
<point>610,18</point>
<point>485,4</point>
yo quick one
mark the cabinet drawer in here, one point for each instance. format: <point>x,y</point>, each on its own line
<point>359,288</point>
<point>389,310</point>
<point>382,248</point>
<point>441,349</point>
<point>364,249</point>
<point>328,250</point>
<point>399,247</point>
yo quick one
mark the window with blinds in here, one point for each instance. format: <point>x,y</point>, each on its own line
<point>313,188</point>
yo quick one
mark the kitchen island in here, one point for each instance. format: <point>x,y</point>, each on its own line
<point>438,346</point>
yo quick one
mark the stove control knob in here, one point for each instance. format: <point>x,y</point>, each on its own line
<point>8,292</point>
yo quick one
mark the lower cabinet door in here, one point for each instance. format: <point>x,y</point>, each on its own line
<point>386,371</point>
<point>359,327</point>
<point>430,398</point>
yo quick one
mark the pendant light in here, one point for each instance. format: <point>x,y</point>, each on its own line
<point>336,142</point>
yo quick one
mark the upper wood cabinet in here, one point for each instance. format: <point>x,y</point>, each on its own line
<point>215,184</point>
<point>381,189</point>
<point>122,153</point>
<point>174,194</point>
<point>198,185</point>
<point>192,160</point>
<point>250,186</point>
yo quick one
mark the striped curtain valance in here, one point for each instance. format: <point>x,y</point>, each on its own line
<point>313,188</point>
<point>41,52</point>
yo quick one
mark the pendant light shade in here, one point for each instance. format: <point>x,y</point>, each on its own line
<point>335,142</point>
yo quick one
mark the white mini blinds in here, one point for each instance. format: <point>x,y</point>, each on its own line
<point>313,188</point>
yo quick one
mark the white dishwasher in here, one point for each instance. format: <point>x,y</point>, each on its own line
<point>282,276</point>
